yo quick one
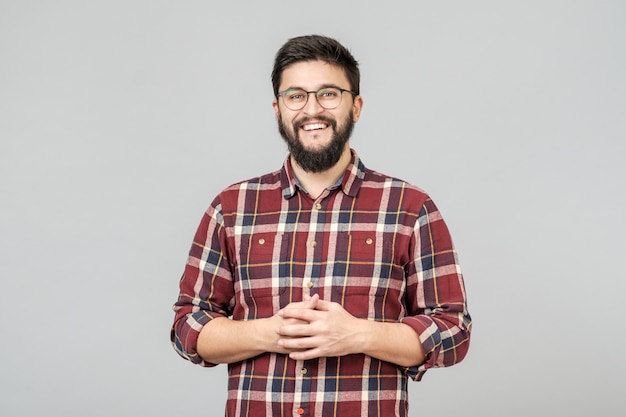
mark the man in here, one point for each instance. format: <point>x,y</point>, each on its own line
<point>340,282</point>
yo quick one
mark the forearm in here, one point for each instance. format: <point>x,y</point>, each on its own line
<point>226,341</point>
<point>392,342</point>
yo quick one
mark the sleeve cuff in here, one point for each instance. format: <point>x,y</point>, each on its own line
<point>184,337</point>
<point>430,338</point>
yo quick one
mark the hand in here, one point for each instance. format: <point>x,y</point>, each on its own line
<point>316,328</point>
<point>278,321</point>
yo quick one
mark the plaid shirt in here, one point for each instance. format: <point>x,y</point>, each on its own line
<point>374,244</point>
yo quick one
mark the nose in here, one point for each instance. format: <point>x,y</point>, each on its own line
<point>312,106</point>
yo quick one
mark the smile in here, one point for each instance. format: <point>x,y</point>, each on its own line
<point>315,126</point>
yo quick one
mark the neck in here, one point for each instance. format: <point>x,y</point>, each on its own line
<point>316,182</point>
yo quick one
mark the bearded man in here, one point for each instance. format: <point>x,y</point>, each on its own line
<point>325,286</point>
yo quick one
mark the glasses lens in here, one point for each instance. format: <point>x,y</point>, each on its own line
<point>329,98</point>
<point>295,99</point>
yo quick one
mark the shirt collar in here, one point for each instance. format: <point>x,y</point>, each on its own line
<point>350,183</point>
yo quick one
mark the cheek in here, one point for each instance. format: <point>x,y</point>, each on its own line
<point>285,124</point>
<point>286,127</point>
<point>285,119</point>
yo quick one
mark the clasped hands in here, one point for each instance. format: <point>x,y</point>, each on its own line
<point>315,328</point>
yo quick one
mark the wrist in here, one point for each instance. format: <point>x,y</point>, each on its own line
<point>364,336</point>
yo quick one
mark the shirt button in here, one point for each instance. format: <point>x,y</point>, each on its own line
<point>313,243</point>
<point>309,284</point>
<point>300,411</point>
<point>318,206</point>
<point>261,241</point>
<point>303,371</point>
<point>369,241</point>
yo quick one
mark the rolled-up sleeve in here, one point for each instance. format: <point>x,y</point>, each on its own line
<point>206,288</point>
<point>436,296</point>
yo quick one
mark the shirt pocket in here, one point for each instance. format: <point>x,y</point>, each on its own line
<point>364,264</point>
<point>369,282</point>
<point>262,257</point>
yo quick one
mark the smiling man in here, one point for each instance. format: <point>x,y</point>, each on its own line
<point>310,127</point>
<point>324,285</point>
<point>317,131</point>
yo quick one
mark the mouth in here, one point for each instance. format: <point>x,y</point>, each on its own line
<point>307,127</point>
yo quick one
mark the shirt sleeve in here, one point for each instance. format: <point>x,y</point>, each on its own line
<point>436,295</point>
<point>206,287</point>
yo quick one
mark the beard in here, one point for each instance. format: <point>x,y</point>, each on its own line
<point>322,159</point>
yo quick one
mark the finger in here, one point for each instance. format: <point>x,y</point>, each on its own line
<point>303,314</point>
<point>323,305</point>
<point>299,310</point>
<point>306,354</point>
<point>302,329</point>
<point>299,343</point>
<point>308,303</point>
<point>311,302</point>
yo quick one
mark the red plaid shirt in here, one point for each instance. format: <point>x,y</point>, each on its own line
<point>374,244</point>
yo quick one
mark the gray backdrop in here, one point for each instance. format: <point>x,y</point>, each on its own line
<point>120,121</point>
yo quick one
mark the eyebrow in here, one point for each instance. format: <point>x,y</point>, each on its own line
<point>304,89</point>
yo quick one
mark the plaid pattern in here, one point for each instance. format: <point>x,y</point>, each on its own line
<point>374,244</point>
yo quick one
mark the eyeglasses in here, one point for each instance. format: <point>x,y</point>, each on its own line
<point>328,97</point>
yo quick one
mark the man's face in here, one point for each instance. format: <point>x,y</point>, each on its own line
<point>316,136</point>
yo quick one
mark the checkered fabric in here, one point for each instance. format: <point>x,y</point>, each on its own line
<point>374,244</point>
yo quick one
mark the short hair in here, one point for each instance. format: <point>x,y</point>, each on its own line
<point>315,48</point>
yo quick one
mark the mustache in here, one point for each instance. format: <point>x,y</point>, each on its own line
<point>297,124</point>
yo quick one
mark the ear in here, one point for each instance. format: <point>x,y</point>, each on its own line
<point>357,106</point>
<point>276,109</point>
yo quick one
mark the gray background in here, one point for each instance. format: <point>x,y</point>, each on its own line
<point>120,121</point>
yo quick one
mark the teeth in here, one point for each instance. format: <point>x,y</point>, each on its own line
<point>315,126</point>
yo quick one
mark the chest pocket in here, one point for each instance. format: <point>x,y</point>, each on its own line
<point>368,281</point>
<point>262,260</point>
<point>364,265</point>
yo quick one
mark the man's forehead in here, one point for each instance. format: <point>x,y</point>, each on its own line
<point>314,74</point>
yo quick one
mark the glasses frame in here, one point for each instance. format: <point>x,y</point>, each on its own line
<point>308,93</point>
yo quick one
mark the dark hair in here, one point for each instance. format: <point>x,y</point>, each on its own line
<point>314,48</point>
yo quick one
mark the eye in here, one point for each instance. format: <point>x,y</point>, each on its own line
<point>295,95</point>
<point>328,93</point>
